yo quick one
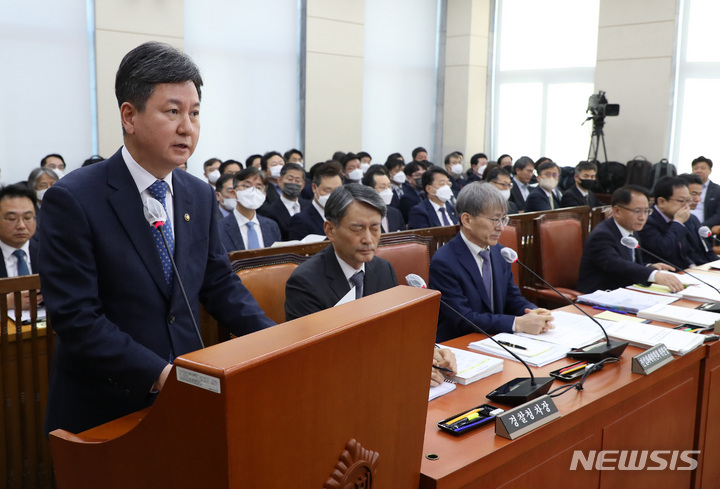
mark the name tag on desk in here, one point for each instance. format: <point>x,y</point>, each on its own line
<point>526,417</point>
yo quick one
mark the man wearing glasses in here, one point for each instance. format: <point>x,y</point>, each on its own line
<point>606,264</point>
<point>244,229</point>
<point>473,277</point>
<point>499,177</point>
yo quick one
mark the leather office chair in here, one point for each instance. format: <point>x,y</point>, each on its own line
<point>407,254</point>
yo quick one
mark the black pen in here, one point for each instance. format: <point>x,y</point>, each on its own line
<point>444,369</point>
<point>519,347</point>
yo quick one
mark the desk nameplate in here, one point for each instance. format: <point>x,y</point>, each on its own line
<point>526,417</point>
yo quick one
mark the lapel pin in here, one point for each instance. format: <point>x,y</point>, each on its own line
<point>187,217</point>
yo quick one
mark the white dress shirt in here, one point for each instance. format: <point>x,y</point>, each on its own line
<point>243,225</point>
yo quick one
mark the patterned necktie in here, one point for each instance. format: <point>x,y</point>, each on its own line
<point>22,267</point>
<point>295,208</point>
<point>487,276</point>
<point>158,190</point>
<point>253,241</point>
<point>445,220</point>
<point>357,281</point>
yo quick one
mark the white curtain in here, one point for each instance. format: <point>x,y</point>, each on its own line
<point>45,85</point>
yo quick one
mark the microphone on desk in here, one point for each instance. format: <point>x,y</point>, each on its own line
<point>517,391</point>
<point>705,232</point>
<point>592,353</point>
<point>632,243</point>
<point>155,216</point>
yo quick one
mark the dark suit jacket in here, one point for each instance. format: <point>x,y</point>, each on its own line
<point>279,213</point>
<point>424,216</point>
<point>118,322</point>
<point>573,198</point>
<point>454,272</point>
<point>307,221</point>
<point>410,199</point>
<point>231,237</point>
<point>517,197</point>
<point>395,220</point>
<point>33,259</point>
<point>606,264</point>
<point>319,283</point>
<point>538,201</point>
<point>701,250</point>
<point>712,205</point>
<point>272,194</point>
<point>667,240</point>
<point>512,207</point>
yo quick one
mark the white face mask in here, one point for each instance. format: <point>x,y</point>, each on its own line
<point>456,168</point>
<point>364,167</point>
<point>548,184</point>
<point>251,198</point>
<point>275,171</point>
<point>444,193</point>
<point>355,175</point>
<point>59,172</point>
<point>40,194</point>
<point>481,170</point>
<point>229,204</point>
<point>387,195</point>
<point>505,193</point>
<point>322,200</point>
<point>399,178</point>
<point>213,176</point>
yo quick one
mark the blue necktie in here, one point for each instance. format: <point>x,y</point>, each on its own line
<point>357,281</point>
<point>253,241</point>
<point>159,190</point>
<point>22,267</point>
<point>446,222</point>
<point>487,276</point>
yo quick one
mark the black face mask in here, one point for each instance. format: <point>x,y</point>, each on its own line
<point>291,190</point>
<point>587,184</point>
<point>418,183</point>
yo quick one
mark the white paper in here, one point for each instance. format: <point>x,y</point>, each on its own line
<point>571,330</point>
<point>349,297</point>
<point>473,366</point>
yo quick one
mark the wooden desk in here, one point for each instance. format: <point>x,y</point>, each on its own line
<point>618,410</point>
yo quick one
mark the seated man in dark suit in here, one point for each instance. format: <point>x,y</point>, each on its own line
<point>701,248</point>
<point>453,167</point>
<point>524,172</point>
<point>291,182</point>
<point>244,228</point>
<point>581,193</point>
<point>225,195</point>
<point>272,163</point>
<point>436,210</point>
<point>378,178</point>
<point>352,172</point>
<point>395,165</point>
<point>354,213</point>
<point>606,264</point>
<point>478,164</point>
<point>501,179</point>
<point>665,233</point>
<point>326,178</point>
<point>412,188</point>
<point>545,196</point>
<point>17,229</point>
<point>708,209</point>
<point>475,279</point>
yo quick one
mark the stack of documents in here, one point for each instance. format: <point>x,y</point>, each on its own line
<point>623,300</point>
<point>680,315</point>
<point>647,335</point>
<point>474,366</point>
<point>441,389</point>
<point>534,352</point>
<point>571,330</point>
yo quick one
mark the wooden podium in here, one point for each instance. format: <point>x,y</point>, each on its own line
<point>279,408</point>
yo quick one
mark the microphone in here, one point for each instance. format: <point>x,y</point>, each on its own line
<point>155,216</point>
<point>704,232</point>
<point>632,243</point>
<point>517,391</point>
<point>592,353</point>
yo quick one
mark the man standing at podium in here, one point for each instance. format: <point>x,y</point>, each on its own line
<point>112,296</point>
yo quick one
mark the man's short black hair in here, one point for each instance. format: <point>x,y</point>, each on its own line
<point>18,190</point>
<point>292,166</point>
<point>222,180</point>
<point>364,154</point>
<point>245,174</point>
<point>394,156</point>
<point>521,163</point>
<point>210,162</point>
<point>585,166</point>
<point>328,169</point>
<point>474,159</point>
<point>429,176</point>
<point>665,187</point>
<point>454,154</point>
<point>43,162</point>
<point>691,178</point>
<point>623,195</point>
<point>292,151</point>
<point>267,156</point>
<point>546,165</point>
<point>227,163</point>
<point>495,172</point>
<point>341,198</point>
<point>149,64</point>
<point>369,178</point>
<point>412,167</point>
<point>417,151</point>
<point>701,159</point>
<point>348,158</point>
<point>394,163</point>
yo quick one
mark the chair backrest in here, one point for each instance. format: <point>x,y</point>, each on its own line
<point>407,255</point>
<point>265,278</point>
<point>509,238</point>
<point>560,250</point>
